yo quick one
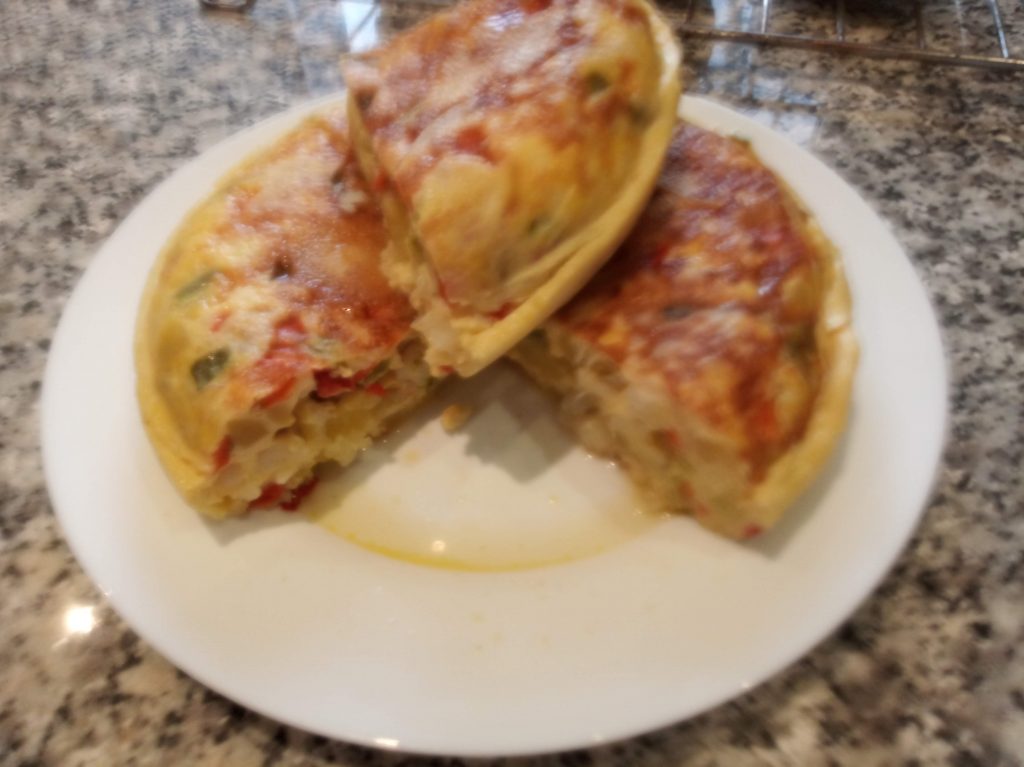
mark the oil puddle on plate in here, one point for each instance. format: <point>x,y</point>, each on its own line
<point>508,490</point>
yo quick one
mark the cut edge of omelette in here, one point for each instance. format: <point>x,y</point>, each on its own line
<point>467,343</point>
<point>678,462</point>
<point>263,405</point>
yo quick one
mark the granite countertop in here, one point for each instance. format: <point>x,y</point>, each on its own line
<point>100,99</point>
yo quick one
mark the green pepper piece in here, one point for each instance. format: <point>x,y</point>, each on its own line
<point>536,224</point>
<point>639,114</point>
<point>209,366</point>
<point>377,373</point>
<point>596,82</point>
<point>192,288</point>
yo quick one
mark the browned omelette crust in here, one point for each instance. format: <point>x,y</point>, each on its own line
<point>715,291</point>
<point>512,143</point>
<point>728,308</point>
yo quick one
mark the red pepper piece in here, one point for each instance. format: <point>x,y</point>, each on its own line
<point>218,321</point>
<point>299,494</point>
<point>277,395</point>
<point>269,497</point>
<point>222,455</point>
<point>503,311</point>
<point>533,6</point>
<point>289,331</point>
<point>672,438</point>
<point>662,250</point>
<point>751,531</point>
<point>329,385</point>
<point>765,421</point>
<point>376,389</point>
<point>473,141</point>
<point>280,365</point>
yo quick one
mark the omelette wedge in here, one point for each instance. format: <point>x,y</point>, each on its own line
<point>268,341</point>
<point>714,354</point>
<point>512,144</point>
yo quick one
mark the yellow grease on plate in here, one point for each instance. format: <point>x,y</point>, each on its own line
<point>509,491</point>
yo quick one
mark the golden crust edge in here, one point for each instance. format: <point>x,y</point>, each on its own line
<point>793,473</point>
<point>799,467</point>
<point>179,461</point>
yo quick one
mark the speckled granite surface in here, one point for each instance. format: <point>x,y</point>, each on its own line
<point>100,100</point>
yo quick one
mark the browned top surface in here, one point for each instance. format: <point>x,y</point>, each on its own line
<point>320,237</point>
<point>429,93</point>
<point>716,293</point>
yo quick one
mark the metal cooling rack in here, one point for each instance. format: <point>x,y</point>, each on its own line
<point>841,41</point>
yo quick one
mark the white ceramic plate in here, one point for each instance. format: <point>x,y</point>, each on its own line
<point>662,623</point>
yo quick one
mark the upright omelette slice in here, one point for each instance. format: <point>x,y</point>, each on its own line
<point>268,341</point>
<point>512,144</point>
<point>713,355</point>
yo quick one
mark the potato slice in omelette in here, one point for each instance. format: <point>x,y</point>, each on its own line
<point>268,340</point>
<point>714,354</point>
<point>512,144</point>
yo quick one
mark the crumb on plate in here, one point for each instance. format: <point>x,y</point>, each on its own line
<point>454,416</point>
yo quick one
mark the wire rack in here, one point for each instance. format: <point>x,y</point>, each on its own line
<point>701,18</point>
